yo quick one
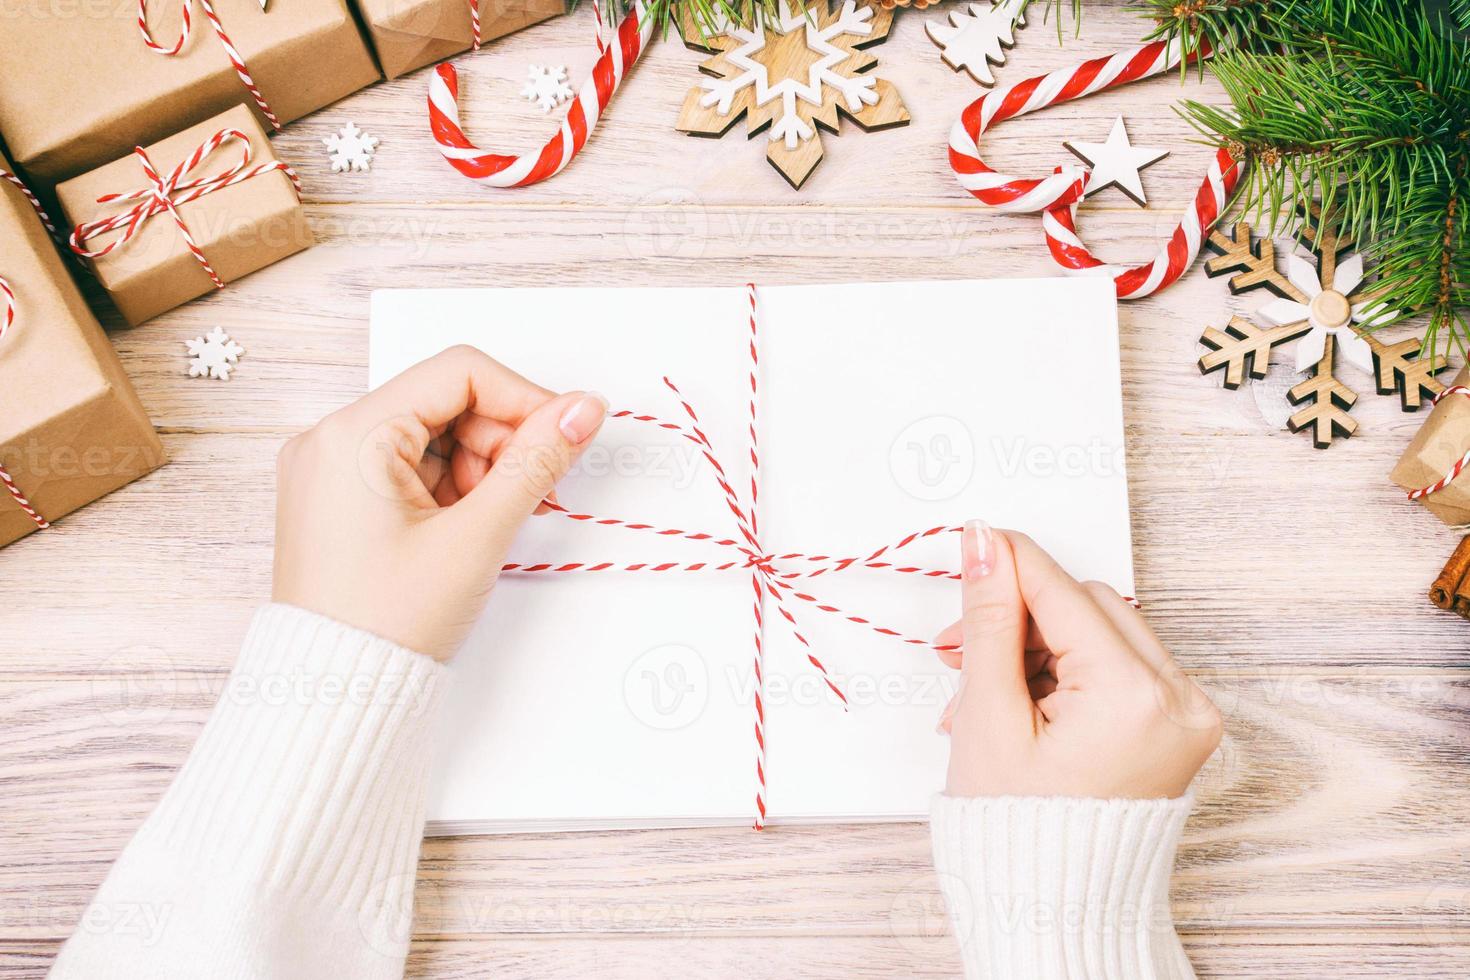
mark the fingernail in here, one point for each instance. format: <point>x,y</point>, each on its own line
<point>582,417</point>
<point>976,550</point>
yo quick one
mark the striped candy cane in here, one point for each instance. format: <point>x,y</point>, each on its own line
<point>1058,194</point>
<point>168,193</point>
<point>498,170</point>
<point>237,61</point>
<point>1459,467</point>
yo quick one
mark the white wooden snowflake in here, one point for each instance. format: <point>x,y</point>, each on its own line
<point>1326,309</point>
<point>819,49</point>
<point>547,87</point>
<point>213,355</point>
<point>976,37</point>
<point>351,149</point>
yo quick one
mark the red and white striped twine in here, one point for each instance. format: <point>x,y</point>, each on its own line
<point>237,61</point>
<point>477,37</point>
<point>1459,467</point>
<point>35,202</point>
<point>11,312</point>
<point>6,290</point>
<point>20,498</point>
<point>168,193</point>
<point>1058,194</point>
<point>8,295</point>
<point>499,170</point>
<point>769,578</point>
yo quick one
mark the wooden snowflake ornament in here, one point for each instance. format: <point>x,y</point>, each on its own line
<point>792,77</point>
<point>1325,308</point>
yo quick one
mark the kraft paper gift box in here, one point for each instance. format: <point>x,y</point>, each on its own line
<point>78,87</point>
<point>71,427</point>
<point>239,228</point>
<point>409,34</point>
<point>1439,444</point>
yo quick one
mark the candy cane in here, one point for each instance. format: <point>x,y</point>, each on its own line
<point>497,170</point>
<point>1459,467</point>
<point>1057,194</point>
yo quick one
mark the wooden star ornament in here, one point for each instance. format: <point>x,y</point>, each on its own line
<point>794,74</point>
<point>1117,162</point>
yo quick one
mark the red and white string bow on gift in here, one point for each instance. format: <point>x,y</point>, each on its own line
<point>237,61</point>
<point>7,321</point>
<point>777,577</point>
<point>169,192</point>
<point>500,170</point>
<point>1460,465</point>
<point>1057,195</point>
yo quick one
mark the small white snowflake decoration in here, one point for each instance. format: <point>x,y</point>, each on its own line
<point>547,87</point>
<point>213,355</point>
<point>351,149</point>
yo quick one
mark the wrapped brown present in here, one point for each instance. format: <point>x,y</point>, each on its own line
<point>71,428</point>
<point>79,86</point>
<point>233,208</point>
<point>1440,444</point>
<point>409,34</point>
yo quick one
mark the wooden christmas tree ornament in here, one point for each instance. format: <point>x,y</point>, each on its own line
<point>1323,308</point>
<point>978,36</point>
<point>792,76</point>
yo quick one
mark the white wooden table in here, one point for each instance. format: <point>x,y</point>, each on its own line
<point>1330,839</point>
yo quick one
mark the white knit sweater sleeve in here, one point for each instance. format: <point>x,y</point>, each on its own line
<point>287,845</point>
<point>1061,888</point>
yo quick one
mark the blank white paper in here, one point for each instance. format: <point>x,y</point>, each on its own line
<point>610,699</point>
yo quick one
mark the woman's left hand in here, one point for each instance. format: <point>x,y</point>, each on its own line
<point>395,513</point>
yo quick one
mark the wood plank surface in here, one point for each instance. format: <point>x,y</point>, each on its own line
<point>1330,836</point>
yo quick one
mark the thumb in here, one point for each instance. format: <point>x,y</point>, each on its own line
<point>527,468</point>
<point>994,627</point>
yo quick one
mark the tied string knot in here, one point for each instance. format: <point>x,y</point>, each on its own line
<point>168,192</point>
<point>775,577</point>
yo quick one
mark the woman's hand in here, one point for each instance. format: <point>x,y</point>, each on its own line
<point>395,513</point>
<point>1064,691</point>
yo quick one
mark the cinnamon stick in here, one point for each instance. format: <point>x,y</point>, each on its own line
<point>1451,590</point>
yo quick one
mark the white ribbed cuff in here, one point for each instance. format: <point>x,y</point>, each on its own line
<point>1059,887</point>
<point>311,775</point>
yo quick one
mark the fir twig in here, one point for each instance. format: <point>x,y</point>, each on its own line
<point>1363,105</point>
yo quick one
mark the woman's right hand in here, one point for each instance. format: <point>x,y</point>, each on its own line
<point>1064,690</point>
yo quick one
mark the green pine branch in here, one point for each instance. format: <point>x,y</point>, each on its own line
<point>708,15</point>
<point>1363,104</point>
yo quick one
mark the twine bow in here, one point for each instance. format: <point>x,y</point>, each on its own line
<point>773,576</point>
<point>237,61</point>
<point>168,193</point>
